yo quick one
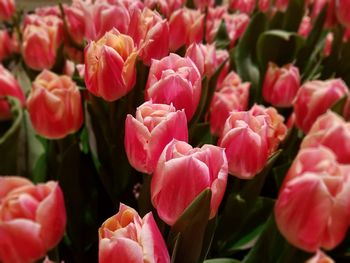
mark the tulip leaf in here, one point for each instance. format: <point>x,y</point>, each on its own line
<point>191,226</point>
<point>338,106</point>
<point>343,66</point>
<point>221,260</point>
<point>9,139</point>
<point>22,78</point>
<point>245,58</point>
<point>208,237</point>
<point>293,15</point>
<point>222,40</point>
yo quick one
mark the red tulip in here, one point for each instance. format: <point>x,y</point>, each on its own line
<point>182,174</point>
<point>7,9</point>
<point>244,6</point>
<point>342,9</point>
<point>32,219</point>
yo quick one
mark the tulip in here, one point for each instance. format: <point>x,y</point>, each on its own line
<point>213,21</point>
<point>246,145</point>
<point>244,6</point>
<point>305,27</point>
<point>328,44</point>
<point>75,22</point>
<point>7,45</point>
<point>166,7</point>
<point>8,87</point>
<point>41,39</point>
<point>235,25</point>
<point>150,33</point>
<point>32,219</point>
<point>185,27</point>
<point>281,84</point>
<point>110,66</point>
<point>320,257</point>
<point>207,59</point>
<point>314,98</point>
<point>342,9</point>
<point>128,238</point>
<point>312,209</point>
<point>202,4</point>
<point>182,174</point>
<point>175,80</point>
<point>7,9</point>
<point>54,105</point>
<point>331,131</point>
<point>231,95</point>
<point>264,5</point>
<point>153,128</point>
<point>281,5</point>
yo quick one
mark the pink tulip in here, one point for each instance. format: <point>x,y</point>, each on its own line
<point>231,95</point>
<point>182,174</point>
<point>244,6</point>
<point>246,145</point>
<point>208,59</point>
<point>317,7</point>
<point>166,7</point>
<point>8,87</point>
<point>281,84</point>
<point>264,5</point>
<point>314,98</point>
<point>328,45</point>
<point>175,80</point>
<point>202,4</point>
<point>7,9</point>
<point>281,5</point>
<point>312,210</point>
<point>185,27</point>
<point>305,27</point>
<point>54,105</point>
<point>213,22</point>
<point>128,238</point>
<point>153,128</point>
<point>42,37</point>
<point>150,33</point>
<point>75,22</point>
<point>320,257</point>
<point>110,66</point>
<point>342,9</point>
<point>236,25</point>
<point>331,131</point>
<point>32,219</point>
<point>8,45</point>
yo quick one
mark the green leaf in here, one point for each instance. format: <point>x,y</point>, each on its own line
<point>9,140</point>
<point>338,106</point>
<point>293,15</point>
<point>191,226</point>
<point>343,66</point>
<point>247,67</point>
<point>222,40</point>
<point>22,78</point>
<point>221,260</point>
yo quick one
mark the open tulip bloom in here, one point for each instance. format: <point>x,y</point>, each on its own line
<point>183,131</point>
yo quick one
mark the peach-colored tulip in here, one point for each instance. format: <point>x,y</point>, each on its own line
<point>150,33</point>
<point>128,238</point>
<point>42,37</point>
<point>182,174</point>
<point>246,145</point>
<point>7,9</point>
<point>54,105</point>
<point>153,128</point>
<point>208,59</point>
<point>314,98</point>
<point>185,27</point>
<point>32,219</point>
<point>320,257</point>
<point>110,66</point>
<point>312,210</point>
<point>332,131</point>
<point>175,80</point>
<point>8,87</point>
<point>281,84</point>
<point>231,95</point>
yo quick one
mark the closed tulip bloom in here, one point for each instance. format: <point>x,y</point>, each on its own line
<point>110,66</point>
<point>128,238</point>
<point>182,174</point>
<point>320,257</point>
<point>331,131</point>
<point>342,9</point>
<point>281,85</point>
<point>236,25</point>
<point>305,26</point>
<point>7,9</point>
<point>32,219</point>
<point>75,22</point>
<point>312,209</point>
<point>314,98</point>
<point>246,145</point>
<point>244,6</point>
<point>8,87</point>
<point>231,95</point>
<point>54,105</point>
<point>185,27</point>
<point>175,80</point>
<point>146,135</point>
<point>166,7</point>
<point>41,39</point>
<point>150,33</point>
<point>213,21</point>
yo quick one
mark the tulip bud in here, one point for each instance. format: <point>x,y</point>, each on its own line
<point>54,105</point>
<point>175,80</point>
<point>7,9</point>
<point>312,209</point>
<point>331,131</point>
<point>314,98</point>
<point>32,219</point>
<point>231,95</point>
<point>185,27</point>
<point>153,128</point>
<point>305,27</point>
<point>167,8</point>
<point>182,174</point>
<point>8,87</point>
<point>110,66</point>
<point>128,238</point>
<point>281,85</point>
